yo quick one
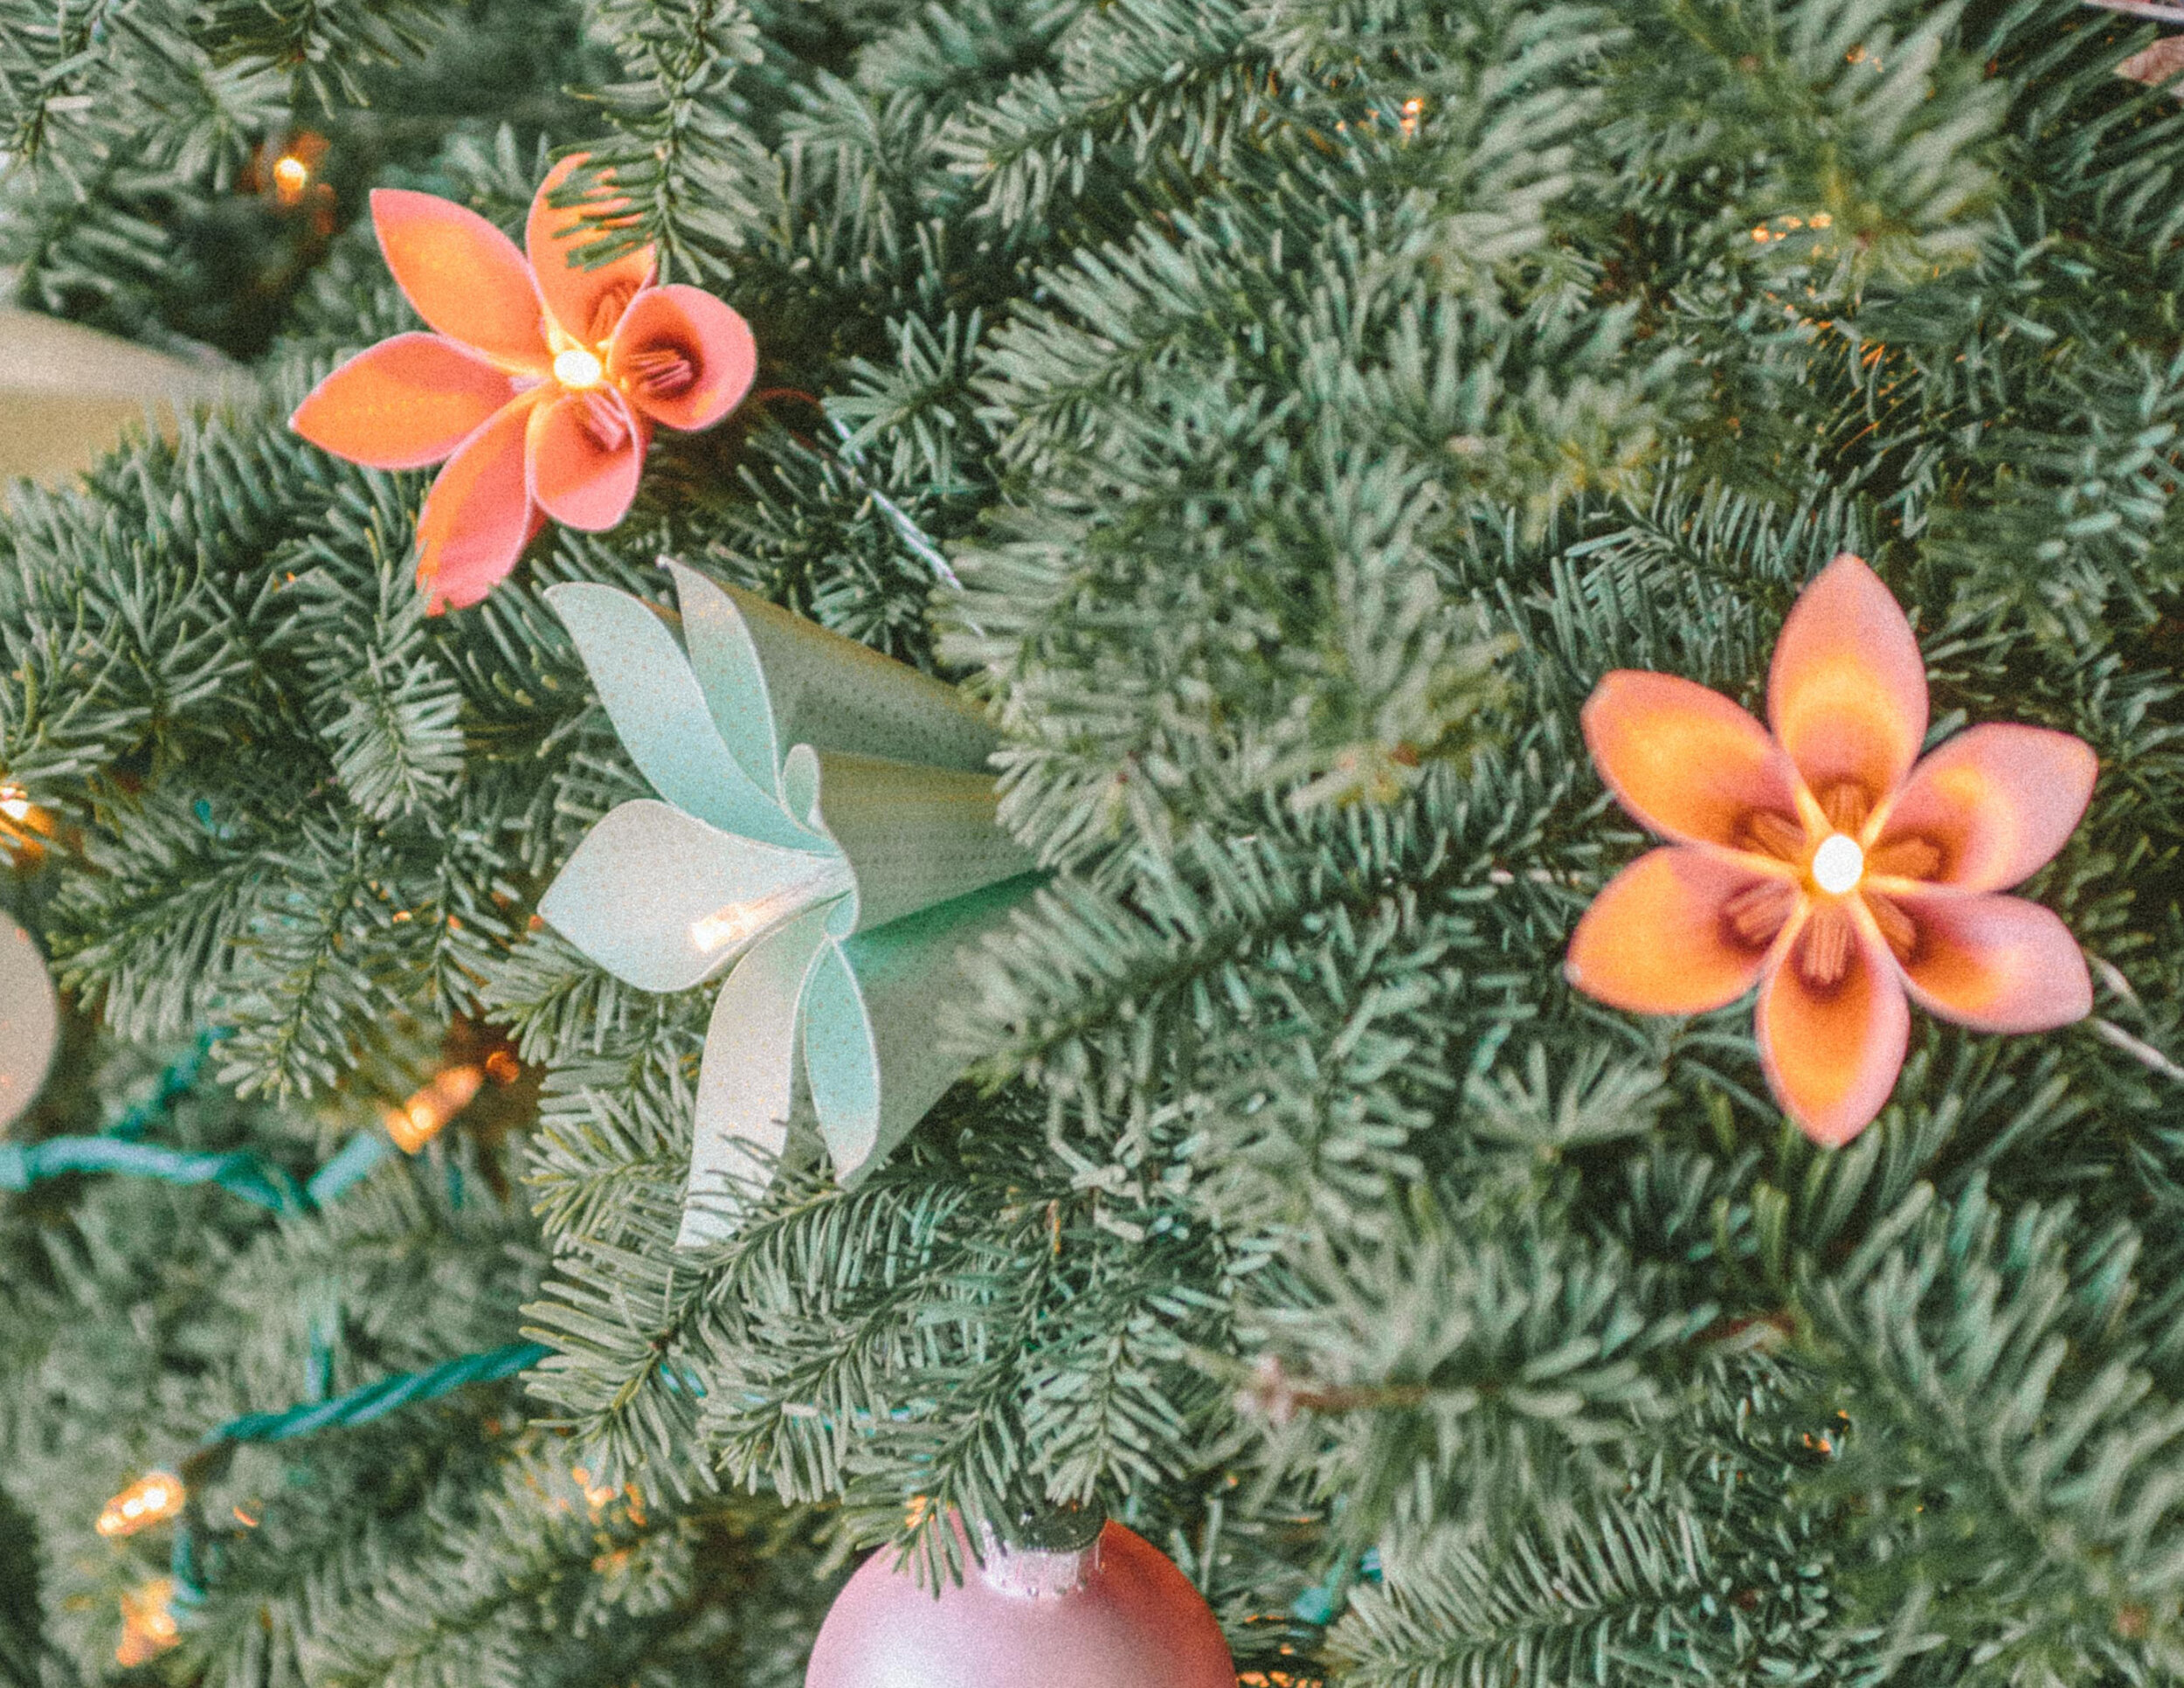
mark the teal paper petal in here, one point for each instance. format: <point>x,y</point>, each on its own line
<point>841,1062</point>
<point>747,1084</point>
<point>728,670</point>
<point>662,717</point>
<point>824,690</point>
<point>29,1020</point>
<point>914,836</point>
<point>907,975</point>
<point>663,902</point>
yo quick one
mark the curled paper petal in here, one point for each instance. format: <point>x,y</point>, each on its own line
<point>478,517</point>
<point>1660,939</point>
<point>816,688</point>
<point>403,403</point>
<point>663,718</point>
<point>663,902</point>
<point>1996,964</point>
<point>1847,693</point>
<point>585,453</point>
<point>1994,803</point>
<point>1832,1054</point>
<point>909,976</point>
<point>586,303</point>
<point>30,1021</point>
<point>463,275</point>
<point>746,1088</point>
<point>1683,760</point>
<point>687,358</point>
<point>914,836</point>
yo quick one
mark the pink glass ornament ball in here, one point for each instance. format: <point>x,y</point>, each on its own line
<point>1126,1618</point>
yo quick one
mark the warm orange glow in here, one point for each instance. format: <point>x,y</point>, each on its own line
<point>420,1119</point>
<point>148,1623</point>
<point>153,1498</point>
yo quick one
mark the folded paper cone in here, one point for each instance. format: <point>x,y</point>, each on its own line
<point>909,976</point>
<point>914,836</point>
<point>67,394</point>
<point>29,1020</point>
<point>820,689</point>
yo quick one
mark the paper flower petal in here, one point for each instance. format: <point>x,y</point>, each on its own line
<point>687,358</point>
<point>1683,760</point>
<point>585,454</point>
<point>664,720</point>
<point>478,517</point>
<point>1832,1055</point>
<point>663,902</point>
<point>30,1021</point>
<point>586,303</point>
<point>914,835</point>
<point>1996,802</point>
<point>463,275</point>
<point>1996,964</point>
<point>1847,693</point>
<point>897,986</point>
<point>747,1085</point>
<point>1658,940</point>
<point>403,403</point>
<point>816,688</point>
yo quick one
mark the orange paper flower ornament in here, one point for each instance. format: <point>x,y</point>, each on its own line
<point>538,388</point>
<point>1820,863</point>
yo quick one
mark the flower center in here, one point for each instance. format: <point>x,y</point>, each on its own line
<point>578,370</point>
<point>1838,864</point>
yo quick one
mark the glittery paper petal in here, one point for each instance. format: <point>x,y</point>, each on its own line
<point>1997,802</point>
<point>1683,760</point>
<point>663,901</point>
<point>1832,1055</point>
<point>587,303</point>
<point>676,334</point>
<point>1847,694</point>
<point>654,699</point>
<point>1996,964</point>
<point>1658,939</point>
<point>747,1085</point>
<point>403,403</point>
<point>463,276</point>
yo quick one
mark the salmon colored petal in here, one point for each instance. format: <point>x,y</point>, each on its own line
<point>1660,940</point>
<point>586,452</point>
<point>463,276</point>
<point>684,357</point>
<point>1995,803</point>
<point>586,303</point>
<point>402,404</point>
<point>1832,1055</point>
<point>1684,760</point>
<point>1847,694</point>
<point>477,517</point>
<point>1996,964</point>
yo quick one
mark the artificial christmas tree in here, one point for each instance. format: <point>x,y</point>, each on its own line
<point>1273,424</point>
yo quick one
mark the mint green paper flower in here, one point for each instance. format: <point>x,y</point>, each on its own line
<point>827,837</point>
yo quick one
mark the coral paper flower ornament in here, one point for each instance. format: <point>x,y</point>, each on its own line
<point>828,838</point>
<point>1827,863</point>
<point>538,388</point>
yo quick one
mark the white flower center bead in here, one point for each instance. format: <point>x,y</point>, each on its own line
<point>1838,864</point>
<point>577,368</point>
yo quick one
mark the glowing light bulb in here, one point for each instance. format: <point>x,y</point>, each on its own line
<point>148,1623</point>
<point>155,1496</point>
<point>1838,864</point>
<point>418,1121</point>
<point>291,175</point>
<point>15,803</point>
<point>577,368</point>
